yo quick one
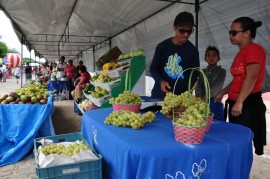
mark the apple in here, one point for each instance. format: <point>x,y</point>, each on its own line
<point>3,97</point>
<point>34,99</point>
<point>40,97</point>
<point>13,94</point>
<point>10,99</point>
<point>24,98</point>
<point>43,101</point>
<point>21,102</point>
<point>4,102</point>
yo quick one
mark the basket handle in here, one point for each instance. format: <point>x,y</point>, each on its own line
<point>206,86</point>
<point>206,83</point>
<point>128,81</point>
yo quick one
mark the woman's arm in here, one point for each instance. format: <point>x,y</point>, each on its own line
<point>252,71</point>
<point>221,93</point>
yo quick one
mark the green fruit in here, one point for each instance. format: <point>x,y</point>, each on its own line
<point>34,99</point>
<point>23,98</point>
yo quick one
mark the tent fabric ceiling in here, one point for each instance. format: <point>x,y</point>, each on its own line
<point>59,27</point>
<point>71,28</point>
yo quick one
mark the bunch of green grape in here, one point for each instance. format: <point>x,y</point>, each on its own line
<point>129,119</point>
<point>126,97</point>
<point>193,116</point>
<point>67,150</point>
<point>176,101</point>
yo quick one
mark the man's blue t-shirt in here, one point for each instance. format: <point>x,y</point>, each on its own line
<point>169,62</point>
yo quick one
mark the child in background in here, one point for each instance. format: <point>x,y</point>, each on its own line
<point>216,77</point>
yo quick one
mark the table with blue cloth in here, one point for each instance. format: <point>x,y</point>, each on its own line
<point>20,124</point>
<point>152,151</point>
<point>57,85</point>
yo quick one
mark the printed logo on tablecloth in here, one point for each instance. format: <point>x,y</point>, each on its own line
<point>197,171</point>
<point>94,134</point>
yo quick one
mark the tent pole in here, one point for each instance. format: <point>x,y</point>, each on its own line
<point>197,8</point>
<point>94,59</point>
<point>22,60</point>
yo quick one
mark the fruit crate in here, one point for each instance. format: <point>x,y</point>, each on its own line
<point>97,101</point>
<point>107,86</point>
<point>116,73</point>
<point>81,170</point>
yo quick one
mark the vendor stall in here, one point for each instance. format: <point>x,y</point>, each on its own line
<point>152,152</point>
<point>20,124</point>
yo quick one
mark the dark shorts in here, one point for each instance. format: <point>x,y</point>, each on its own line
<point>17,77</point>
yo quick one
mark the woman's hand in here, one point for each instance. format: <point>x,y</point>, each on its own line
<point>165,86</point>
<point>237,109</point>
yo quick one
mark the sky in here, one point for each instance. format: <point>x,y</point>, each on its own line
<point>10,38</point>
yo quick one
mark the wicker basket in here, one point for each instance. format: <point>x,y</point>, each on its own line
<point>192,135</point>
<point>189,135</point>
<point>209,120</point>
<point>129,107</point>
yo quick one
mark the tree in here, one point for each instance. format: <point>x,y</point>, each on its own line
<point>12,50</point>
<point>3,49</point>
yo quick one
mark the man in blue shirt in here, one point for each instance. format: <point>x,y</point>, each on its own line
<point>173,56</point>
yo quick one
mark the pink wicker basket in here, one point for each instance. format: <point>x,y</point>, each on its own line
<point>209,120</point>
<point>189,135</point>
<point>129,107</point>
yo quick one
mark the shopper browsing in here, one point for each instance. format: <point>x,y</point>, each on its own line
<point>173,56</point>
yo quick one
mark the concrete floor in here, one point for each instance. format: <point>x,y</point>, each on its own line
<point>66,121</point>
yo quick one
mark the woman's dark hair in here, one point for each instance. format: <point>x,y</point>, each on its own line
<point>248,24</point>
<point>82,68</point>
<point>211,48</point>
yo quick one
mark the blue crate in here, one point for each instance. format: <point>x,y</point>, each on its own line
<point>81,170</point>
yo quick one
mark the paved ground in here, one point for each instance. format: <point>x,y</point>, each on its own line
<point>66,121</point>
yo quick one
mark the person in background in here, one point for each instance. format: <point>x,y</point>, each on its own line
<point>17,74</point>
<point>216,77</point>
<point>81,82</point>
<point>54,69</point>
<point>4,73</point>
<point>173,56</point>
<point>245,102</point>
<point>60,68</point>
<point>44,69</point>
<point>1,73</point>
<point>71,73</point>
<point>80,64</point>
<point>28,72</point>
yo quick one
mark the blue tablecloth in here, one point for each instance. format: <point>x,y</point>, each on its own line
<point>20,124</point>
<point>57,85</point>
<point>152,152</point>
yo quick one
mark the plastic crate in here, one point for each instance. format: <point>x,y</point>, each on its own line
<point>109,85</point>
<point>97,101</point>
<point>80,170</point>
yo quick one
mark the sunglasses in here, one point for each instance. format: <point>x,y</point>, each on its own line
<point>235,32</point>
<point>183,31</point>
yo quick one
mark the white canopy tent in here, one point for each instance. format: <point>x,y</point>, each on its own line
<point>86,29</point>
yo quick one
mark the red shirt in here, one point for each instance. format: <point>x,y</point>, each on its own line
<point>71,71</point>
<point>252,53</point>
<point>87,77</point>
